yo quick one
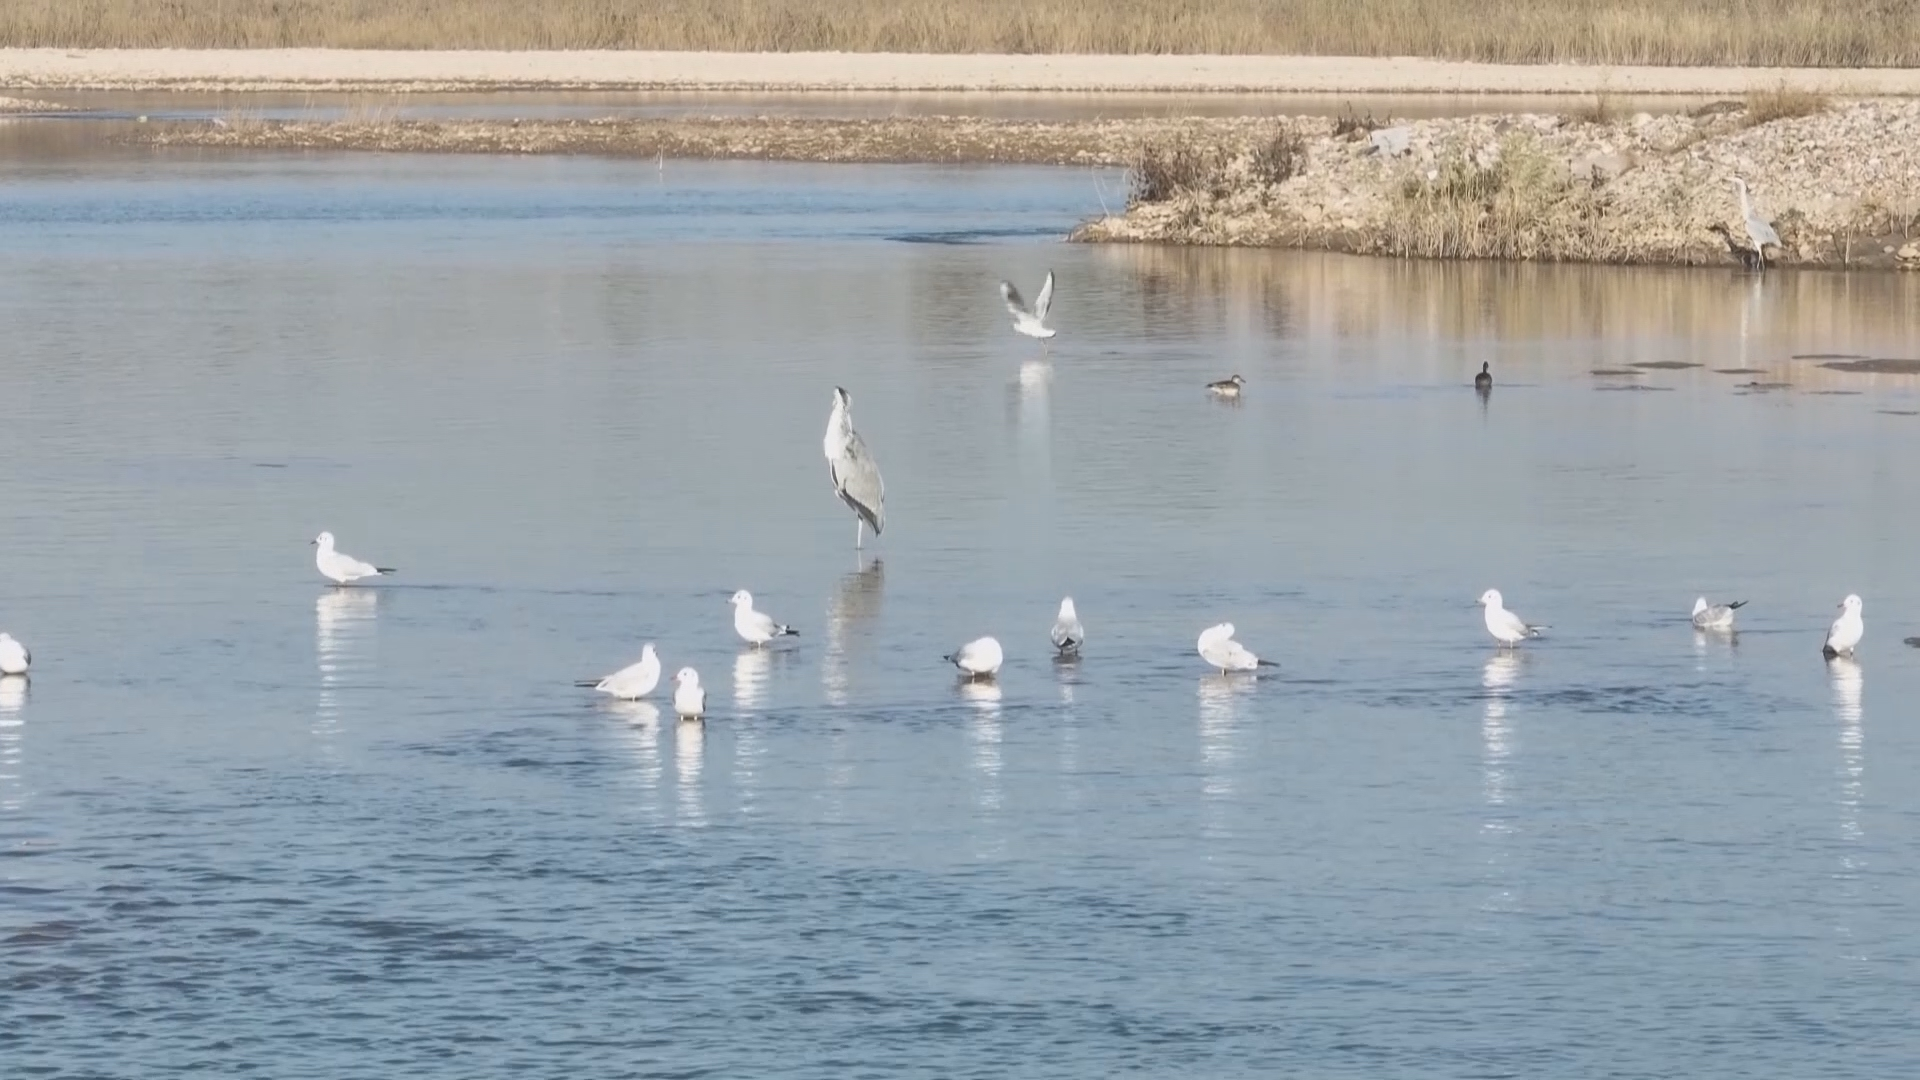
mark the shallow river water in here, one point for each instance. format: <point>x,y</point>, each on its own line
<point>253,824</point>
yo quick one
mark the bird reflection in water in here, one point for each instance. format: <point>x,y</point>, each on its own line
<point>1496,753</point>
<point>343,620</point>
<point>1220,697</point>
<point>689,752</point>
<point>855,603</point>
<point>1847,683</point>
<point>13,700</point>
<point>750,670</point>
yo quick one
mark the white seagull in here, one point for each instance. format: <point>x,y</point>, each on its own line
<point>14,657</point>
<point>1506,627</point>
<point>855,475</point>
<point>341,568</point>
<point>1218,649</point>
<point>1714,616</point>
<point>1847,630</point>
<point>689,700</point>
<point>755,627</point>
<point>1067,634</point>
<point>632,682</point>
<point>1030,321</point>
<point>979,659</point>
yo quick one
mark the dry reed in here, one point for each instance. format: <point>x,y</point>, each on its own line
<point>1792,33</point>
<point>1784,103</point>
<point>1519,203</point>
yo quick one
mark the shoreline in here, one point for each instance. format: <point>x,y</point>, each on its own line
<point>393,71</point>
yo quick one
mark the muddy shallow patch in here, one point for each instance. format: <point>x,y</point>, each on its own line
<point>1876,366</point>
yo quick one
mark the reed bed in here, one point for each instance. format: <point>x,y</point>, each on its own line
<point>1787,33</point>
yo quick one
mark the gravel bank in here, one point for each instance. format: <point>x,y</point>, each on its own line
<point>1842,187</point>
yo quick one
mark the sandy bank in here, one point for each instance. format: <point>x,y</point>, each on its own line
<point>399,71</point>
<point>898,140</point>
<point>1841,186</point>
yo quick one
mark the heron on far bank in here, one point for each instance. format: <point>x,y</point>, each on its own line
<point>1759,229</point>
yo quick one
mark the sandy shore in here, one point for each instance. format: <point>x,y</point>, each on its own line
<point>394,71</point>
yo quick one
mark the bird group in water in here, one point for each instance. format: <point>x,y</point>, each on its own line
<point>855,477</point>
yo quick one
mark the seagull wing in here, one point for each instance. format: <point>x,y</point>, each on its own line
<point>1513,624</point>
<point>1045,299</point>
<point>1015,305</point>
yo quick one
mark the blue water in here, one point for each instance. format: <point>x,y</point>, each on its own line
<point>255,825</point>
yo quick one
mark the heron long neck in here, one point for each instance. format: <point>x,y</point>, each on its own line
<point>1746,205</point>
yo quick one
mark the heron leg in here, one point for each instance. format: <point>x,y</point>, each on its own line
<point>859,531</point>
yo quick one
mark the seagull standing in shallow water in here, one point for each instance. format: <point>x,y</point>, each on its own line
<point>1714,616</point>
<point>689,699</point>
<point>1067,631</point>
<point>1030,321</point>
<point>1506,627</point>
<point>14,657</point>
<point>977,659</point>
<point>855,475</point>
<point>1847,630</point>
<point>1218,648</point>
<point>342,568</point>
<point>632,682</point>
<point>1483,382</point>
<point>756,628</point>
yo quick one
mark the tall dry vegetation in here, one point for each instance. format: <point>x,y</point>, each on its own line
<point>1771,32</point>
<point>1519,203</point>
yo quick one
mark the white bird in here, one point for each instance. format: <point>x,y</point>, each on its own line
<point>1714,616</point>
<point>855,475</point>
<point>1030,321</point>
<point>1759,229</point>
<point>14,657</point>
<point>1228,387</point>
<point>1506,627</point>
<point>979,659</point>
<point>689,700</point>
<point>1847,630</point>
<point>341,568</point>
<point>632,682</point>
<point>1218,649</point>
<point>1067,634</point>
<point>755,627</point>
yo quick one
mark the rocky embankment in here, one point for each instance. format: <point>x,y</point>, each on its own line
<point>1841,185</point>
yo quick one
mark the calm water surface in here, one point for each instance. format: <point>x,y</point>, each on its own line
<point>251,824</point>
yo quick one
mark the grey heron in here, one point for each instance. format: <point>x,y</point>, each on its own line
<point>855,475</point>
<point>1759,230</point>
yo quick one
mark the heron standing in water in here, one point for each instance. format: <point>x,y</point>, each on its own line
<point>856,476</point>
<point>1759,229</point>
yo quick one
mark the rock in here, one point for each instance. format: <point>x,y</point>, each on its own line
<point>1601,166</point>
<point>1393,141</point>
<point>1908,257</point>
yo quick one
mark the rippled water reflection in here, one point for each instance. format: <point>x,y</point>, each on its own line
<point>250,822</point>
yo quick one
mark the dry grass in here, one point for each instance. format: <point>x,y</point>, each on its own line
<point>1785,103</point>
<point>1164,169</point>
<point>1517,204</point>
<point>1792,33</point>
<point>1601,110</point>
